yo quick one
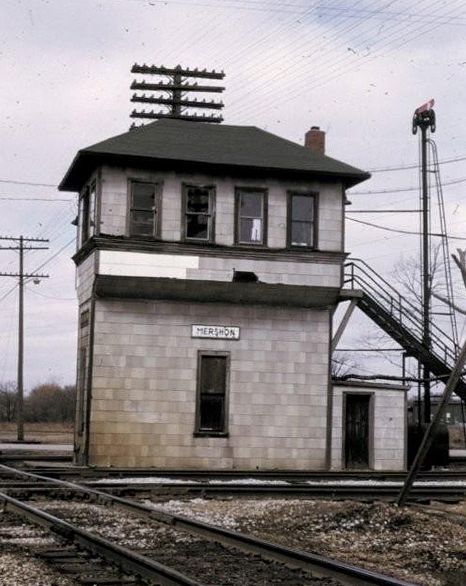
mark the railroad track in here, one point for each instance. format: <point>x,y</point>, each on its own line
<point>292,476</point>
<point>431,486</point>
<point>253,560</point>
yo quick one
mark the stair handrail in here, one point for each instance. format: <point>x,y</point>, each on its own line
<point>382,288</point>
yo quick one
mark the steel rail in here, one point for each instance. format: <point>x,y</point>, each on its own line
<point>290,475</point>
<point>123,557</point>
<point>325,490</point>
<point>318,565</point>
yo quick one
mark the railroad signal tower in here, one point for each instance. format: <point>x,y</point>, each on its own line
<point>424,118</point>
<point>178,104</point>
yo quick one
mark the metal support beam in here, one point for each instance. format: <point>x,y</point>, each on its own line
<point>433,426</point>
<point>344,322</point>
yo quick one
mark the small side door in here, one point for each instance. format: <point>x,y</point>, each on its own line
<point>357,430</point>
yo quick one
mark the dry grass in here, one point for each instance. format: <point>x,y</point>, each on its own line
<point>456,437</point>
<point>54,433</point>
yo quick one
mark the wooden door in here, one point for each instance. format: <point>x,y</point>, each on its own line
<point>357,426</point>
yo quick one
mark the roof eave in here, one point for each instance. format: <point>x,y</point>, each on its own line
<point>86,161</point>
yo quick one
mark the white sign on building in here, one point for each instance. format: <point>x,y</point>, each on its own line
<point>216,332</point>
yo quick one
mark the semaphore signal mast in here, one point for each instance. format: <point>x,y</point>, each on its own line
<point>424,118</point>
<point>178,104</point>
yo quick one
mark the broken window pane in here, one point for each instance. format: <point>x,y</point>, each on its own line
<point>197,227</point>
<point>198,210</point>
<point>198,201</point>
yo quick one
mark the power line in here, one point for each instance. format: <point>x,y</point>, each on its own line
<point>50,296</point>
<point>402,189</point>
<point>22,276</point>
<point>400,231</point>
<point>291,8</point>
<point>33,183</point>
<point>49,199</point>
<point>56,254</point>
<point>5,295</point>
<point>383,211</point>
<point>380,41</point>
<point>414,165</point>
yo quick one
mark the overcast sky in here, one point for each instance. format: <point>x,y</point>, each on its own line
<point>356,69</point>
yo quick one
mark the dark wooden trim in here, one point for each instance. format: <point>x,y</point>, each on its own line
<point>315,234</point>
<point>86,162</point>
<point>209,433</point>
<point>98,202</point>
<point>203,291</point>
<point>212,203</point>
<point>158,191</point>
<point>265,212</point>
<point>90,366</point>
<point>124,243</point>
<point>377,386</point>
<point>329,433</point>
<point>371,410</point>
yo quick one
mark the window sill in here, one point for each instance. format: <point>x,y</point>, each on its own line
<point>250,245</point>
<point>295,248</point>
<point>211,434</point>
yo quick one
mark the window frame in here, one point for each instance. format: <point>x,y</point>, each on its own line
<point>212,212</point>
<point>198,432</point>
<point>157,224</point>
<point>265,207</point>
<point>84,215</point>
<point>314,222</point>
<point>87,209</point>
<point>81,392</point>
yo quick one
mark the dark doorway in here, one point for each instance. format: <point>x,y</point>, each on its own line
<point>357,414</point>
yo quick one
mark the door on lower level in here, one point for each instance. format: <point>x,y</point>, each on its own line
<point>357,425</point>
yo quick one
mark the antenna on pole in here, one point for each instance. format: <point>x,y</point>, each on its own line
<point>424,118</point>
<point>174,93</point>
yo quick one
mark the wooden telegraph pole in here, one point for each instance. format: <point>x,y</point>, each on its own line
<point>174,93</point>
<point>22,276</point>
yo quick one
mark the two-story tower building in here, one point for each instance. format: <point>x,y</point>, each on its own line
<point>209,265</point>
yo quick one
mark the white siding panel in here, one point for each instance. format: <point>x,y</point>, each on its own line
<point>140,264</point>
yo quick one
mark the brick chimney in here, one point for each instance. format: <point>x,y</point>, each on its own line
<point>314,139</point>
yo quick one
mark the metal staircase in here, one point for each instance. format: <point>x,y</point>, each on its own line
<point>401,319</point>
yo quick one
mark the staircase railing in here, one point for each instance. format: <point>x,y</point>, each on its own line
<point>359,275</point>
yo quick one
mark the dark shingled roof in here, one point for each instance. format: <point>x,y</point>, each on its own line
<point>204,146</point>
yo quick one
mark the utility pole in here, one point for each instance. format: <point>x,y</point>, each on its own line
<point>429,436</point>
<point>175,90</point>
<point>22,276</point>
<point>424,118</point>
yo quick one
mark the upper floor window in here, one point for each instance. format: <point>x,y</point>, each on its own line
<point>302,220</point>
<point>144,209</point>
<point>199,210</point>
<point>251,216</point>
<point>87,206</point>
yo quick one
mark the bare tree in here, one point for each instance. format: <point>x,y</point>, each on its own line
<point>342,364</point>
<point>50,402</point>
<point>7,401</point>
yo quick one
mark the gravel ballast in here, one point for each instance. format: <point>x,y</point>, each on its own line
<point>406,543</point>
